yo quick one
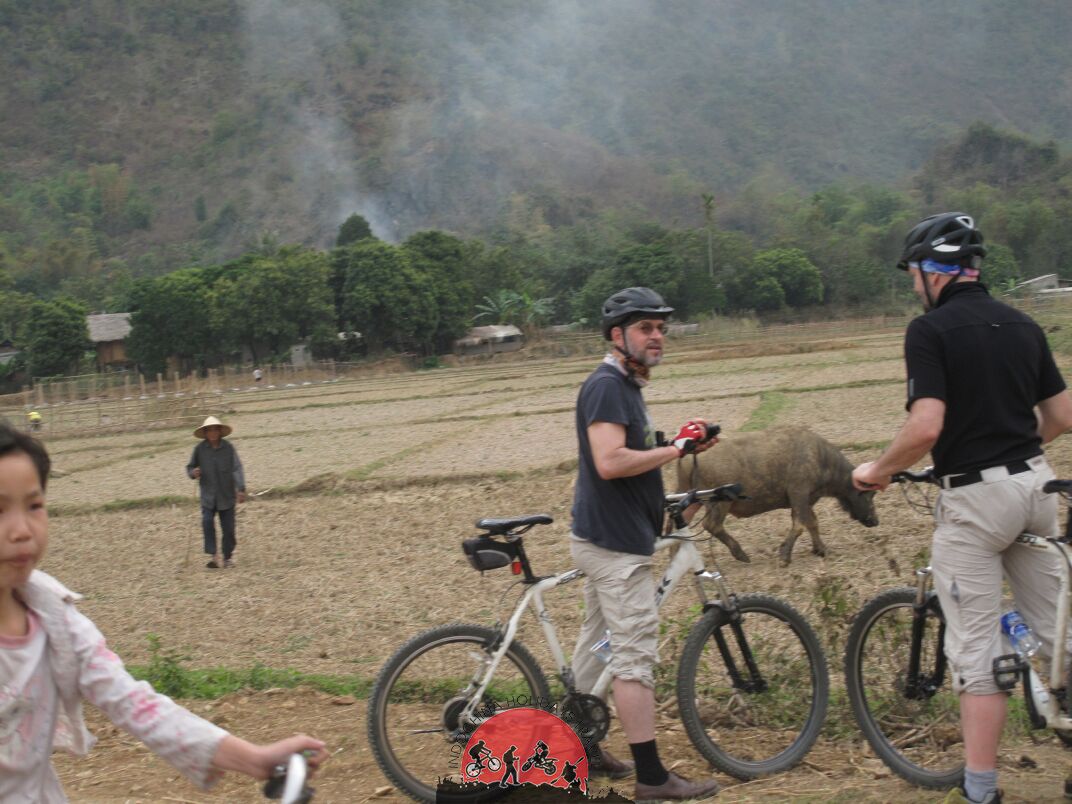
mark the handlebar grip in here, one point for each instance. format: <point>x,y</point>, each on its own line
<point>1058,486</point>
<point>926,476</point>
<point>287,782</point>
<point>712,431</point>
<point>730,491</point>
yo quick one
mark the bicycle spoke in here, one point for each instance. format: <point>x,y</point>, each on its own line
<point>415,709</point>
<point>755,704</point>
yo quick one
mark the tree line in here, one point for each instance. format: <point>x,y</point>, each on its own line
<point>768,250</point>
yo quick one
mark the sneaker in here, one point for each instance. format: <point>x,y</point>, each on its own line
<point>213,564</point>
<point>675,789</point>
<point>228,563</point>
<point>958,796</point>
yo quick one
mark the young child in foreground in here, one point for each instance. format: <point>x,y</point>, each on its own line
<point>52,657</point>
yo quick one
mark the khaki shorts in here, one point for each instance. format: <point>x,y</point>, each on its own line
<point>974,546</point>
<point>619,594</point>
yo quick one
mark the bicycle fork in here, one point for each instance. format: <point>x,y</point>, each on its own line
<point>727,603</point>
<point>923,685</point>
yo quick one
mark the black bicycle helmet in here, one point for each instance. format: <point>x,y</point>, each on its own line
<point>630,303</point>
<point>950,237</point>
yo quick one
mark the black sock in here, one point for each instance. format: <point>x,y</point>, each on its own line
<point>649,769</point>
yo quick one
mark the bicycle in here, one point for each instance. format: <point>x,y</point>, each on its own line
<point>898,683</point>
<point>493,764</point>
<point>287,782</point>
<point>752,684</point>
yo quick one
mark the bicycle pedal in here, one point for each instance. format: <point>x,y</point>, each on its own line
<point>1008,669</point>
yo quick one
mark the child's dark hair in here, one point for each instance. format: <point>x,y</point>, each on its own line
<point>12,440</point>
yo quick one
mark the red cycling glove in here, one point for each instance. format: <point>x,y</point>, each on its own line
<point>687,438</point>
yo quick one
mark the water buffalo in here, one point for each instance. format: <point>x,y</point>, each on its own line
<point>783,467</point>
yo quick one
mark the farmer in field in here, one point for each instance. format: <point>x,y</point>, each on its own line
<point>984,395</point>
<point>216,465</point>
<point>52,657</point>
<point>617,515</point>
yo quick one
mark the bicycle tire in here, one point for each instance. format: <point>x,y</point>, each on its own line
<point>1065,735</point>
<point>415,762</point>
<point>918,739</point>
<point>749,734</point>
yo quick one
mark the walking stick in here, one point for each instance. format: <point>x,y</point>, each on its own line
<point>197,495</point>
<point>186,561</point>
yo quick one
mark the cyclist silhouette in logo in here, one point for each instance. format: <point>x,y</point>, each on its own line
<point>482,759</point>
<point>569,773</point>
<point>539,759</point>
<point>479,752</point>
<point>510,761</point>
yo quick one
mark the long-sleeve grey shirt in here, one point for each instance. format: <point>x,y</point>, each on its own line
<point>221,474</point>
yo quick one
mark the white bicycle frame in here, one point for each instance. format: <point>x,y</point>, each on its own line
<point>686,561</point>
<point>1045,702</point>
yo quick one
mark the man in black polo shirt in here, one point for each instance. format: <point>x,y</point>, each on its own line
<point>984,394</point>
<point>617,515</point>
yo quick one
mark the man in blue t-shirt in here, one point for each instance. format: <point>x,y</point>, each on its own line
<point>617,516</point>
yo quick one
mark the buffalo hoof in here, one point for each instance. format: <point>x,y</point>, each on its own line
<point>818,551</point>
<point>785,555</point>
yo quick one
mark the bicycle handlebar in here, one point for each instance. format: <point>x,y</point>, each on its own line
<point>711,430</point>
<point>928,476</point>
<point>907,476</point>
<point>287,782</point>
<point>682,500</point>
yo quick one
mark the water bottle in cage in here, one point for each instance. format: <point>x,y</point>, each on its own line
<point>1023,640</point>
<point>602,649</point>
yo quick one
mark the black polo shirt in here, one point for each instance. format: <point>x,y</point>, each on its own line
<point>991,365</point>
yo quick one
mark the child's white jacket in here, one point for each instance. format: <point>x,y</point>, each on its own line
<point>84,667</point>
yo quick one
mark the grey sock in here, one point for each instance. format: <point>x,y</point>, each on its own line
<point>980,784</point>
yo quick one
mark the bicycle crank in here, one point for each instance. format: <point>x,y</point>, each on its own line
<point>587,715</point>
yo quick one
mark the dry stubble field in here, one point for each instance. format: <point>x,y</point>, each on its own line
<point>367,488</point>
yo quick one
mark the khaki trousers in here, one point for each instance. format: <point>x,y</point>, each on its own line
<point>619,594</point>
<point>973,548</point>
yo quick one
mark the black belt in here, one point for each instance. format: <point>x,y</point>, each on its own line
<point>966,479</point>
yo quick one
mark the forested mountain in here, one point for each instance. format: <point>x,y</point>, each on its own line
<point>526,156</point>
<point>205,124</point>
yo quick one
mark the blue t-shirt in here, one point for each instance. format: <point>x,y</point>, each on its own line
<point>626,513</point>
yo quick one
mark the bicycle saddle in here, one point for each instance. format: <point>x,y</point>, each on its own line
<point>502,526</point>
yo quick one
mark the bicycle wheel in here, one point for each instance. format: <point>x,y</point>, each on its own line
<point>916,734</point>
<point>414,706</point>
<point>767,718</point>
